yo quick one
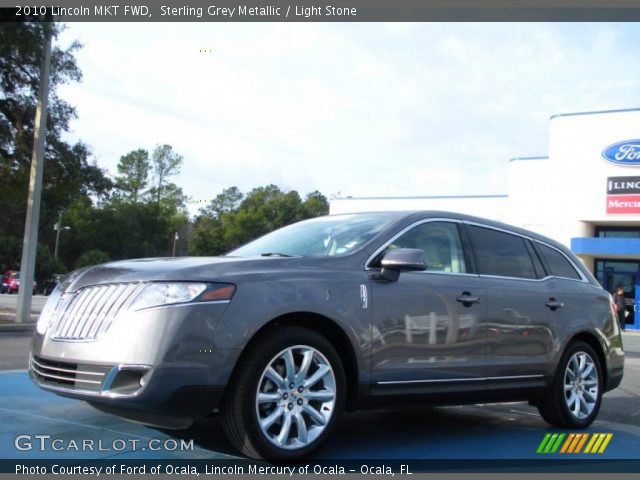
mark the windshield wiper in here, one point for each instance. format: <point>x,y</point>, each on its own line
<point>275,254</point>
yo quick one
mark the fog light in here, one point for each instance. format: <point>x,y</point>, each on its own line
<point>126,379</point>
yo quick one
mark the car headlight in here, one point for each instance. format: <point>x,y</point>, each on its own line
<point>49,308</point>
<point>164,293</point>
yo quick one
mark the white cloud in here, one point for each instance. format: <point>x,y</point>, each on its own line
<point>364,109</point>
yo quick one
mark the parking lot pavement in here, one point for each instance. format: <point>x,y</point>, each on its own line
<point>511,431</point>
<point>476,432</point>
<point>14,351</point>
<point>27,410</point>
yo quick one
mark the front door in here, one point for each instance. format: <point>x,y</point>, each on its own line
<point>429,328</point>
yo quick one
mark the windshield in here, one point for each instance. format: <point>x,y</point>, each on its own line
<point>319,237</point>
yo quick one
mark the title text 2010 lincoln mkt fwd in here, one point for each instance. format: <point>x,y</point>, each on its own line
<point>331,314</point>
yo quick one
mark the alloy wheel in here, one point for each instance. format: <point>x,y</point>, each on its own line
<point>581,385</point>
<point>296,397</point>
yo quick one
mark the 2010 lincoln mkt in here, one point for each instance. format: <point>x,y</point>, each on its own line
<point>343,312</point>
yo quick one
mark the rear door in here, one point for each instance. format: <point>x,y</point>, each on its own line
<point>520,322</point>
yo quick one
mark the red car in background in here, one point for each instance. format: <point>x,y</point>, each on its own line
<point>11,282</point>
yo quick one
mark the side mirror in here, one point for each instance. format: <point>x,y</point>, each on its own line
<point>402,260</point>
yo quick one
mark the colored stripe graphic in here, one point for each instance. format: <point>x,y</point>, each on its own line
<point>581,443</point>
<point>591,442</point>
<point>566,445</point>
<point>598,443</point>
<point>556,445</point>
<point>550,443</point>
<point>605,443</point>
<point>577,439</point>
<point>574,443</point>
<point>543,443</point>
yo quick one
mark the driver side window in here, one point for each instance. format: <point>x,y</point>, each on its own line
<point>440,243</point>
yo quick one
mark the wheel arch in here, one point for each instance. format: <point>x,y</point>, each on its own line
<point>593,341</point>
<point>329,329</point>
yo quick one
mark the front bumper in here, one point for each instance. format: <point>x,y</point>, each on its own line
<point>158,366</point>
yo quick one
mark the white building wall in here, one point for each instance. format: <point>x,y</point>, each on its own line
<point>493,207</point>
<point>565,195</point>
<point>528,201</point>
<point>576,143</point>
<point>562,196</point>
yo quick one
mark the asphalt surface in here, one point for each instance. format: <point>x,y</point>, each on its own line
<point>497,431</point>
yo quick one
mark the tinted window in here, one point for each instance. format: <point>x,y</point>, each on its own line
<point>499,253</point>
<point>441,245</point>
<point>535,258</point>
<point>558,264</point>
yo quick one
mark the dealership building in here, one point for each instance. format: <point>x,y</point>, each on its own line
<point>585,194</point>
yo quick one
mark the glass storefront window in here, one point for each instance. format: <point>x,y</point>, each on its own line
<point>618,232</point>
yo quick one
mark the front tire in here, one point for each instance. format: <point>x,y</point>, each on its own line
<point>576,393</point>
<point>286,397</point>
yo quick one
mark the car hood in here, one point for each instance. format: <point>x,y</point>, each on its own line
<point>207,269</point>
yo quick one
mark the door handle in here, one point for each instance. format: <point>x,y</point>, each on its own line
<point>467,299</point>
<point>553,304</point>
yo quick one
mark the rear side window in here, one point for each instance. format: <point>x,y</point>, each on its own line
<point>500,253</point>
<point>558,263</point>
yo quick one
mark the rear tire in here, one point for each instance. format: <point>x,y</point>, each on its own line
<point>576,393</point>
<point>286,396</point>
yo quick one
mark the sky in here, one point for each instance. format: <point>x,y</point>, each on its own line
<point>349,109</point>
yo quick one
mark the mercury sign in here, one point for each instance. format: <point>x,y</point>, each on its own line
<point>623,153</point>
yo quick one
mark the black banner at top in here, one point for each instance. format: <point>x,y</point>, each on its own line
<point>322,11</point>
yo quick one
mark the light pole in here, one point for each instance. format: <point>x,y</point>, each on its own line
<point>175,239</point>
<point>58,228</point>
<point>30,240</point>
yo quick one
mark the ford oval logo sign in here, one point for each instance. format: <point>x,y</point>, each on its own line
<point>623,153</point>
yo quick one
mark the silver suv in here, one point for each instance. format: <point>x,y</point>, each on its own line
<point>331,314</point>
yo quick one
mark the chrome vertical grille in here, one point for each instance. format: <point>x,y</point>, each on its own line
<point>87,313</point>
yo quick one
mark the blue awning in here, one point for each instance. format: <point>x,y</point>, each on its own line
<point>628,247</point>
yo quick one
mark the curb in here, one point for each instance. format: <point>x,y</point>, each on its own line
<point>16,327</point>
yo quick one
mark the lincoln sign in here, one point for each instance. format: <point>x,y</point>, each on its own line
<point>623,195</point>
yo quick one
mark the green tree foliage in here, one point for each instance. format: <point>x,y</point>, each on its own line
<point>224,202</point>
<point>314,205</point>
<point>92,257</point>
<point>133,178</point>
<point>46,264</point>
<point>121,230</point>
<point>233,219</point>
<point>69,174</point>
<point>10,248</point>
<point>133,223</point>
<point>165,163</point>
